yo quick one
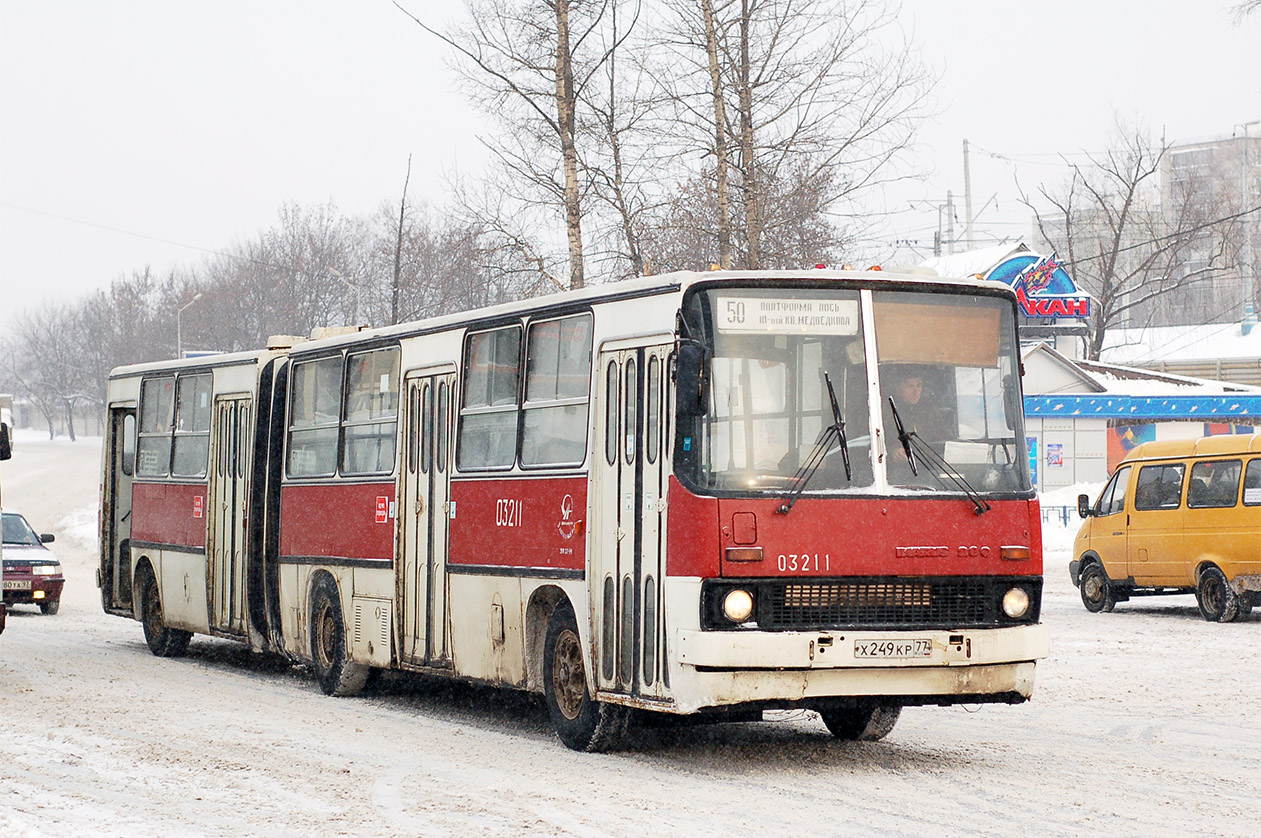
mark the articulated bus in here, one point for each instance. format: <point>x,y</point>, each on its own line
<point>697,493</point>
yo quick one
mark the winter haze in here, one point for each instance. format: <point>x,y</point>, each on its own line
<point>152,133</point>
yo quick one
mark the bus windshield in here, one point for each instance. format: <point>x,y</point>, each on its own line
<point>948,362</point>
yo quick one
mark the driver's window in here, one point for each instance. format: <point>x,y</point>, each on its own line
<point>1112,499</point>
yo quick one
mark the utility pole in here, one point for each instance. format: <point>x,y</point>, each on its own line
<point>950,222</point>
<point>967,193</point>
<point>1249,314</point>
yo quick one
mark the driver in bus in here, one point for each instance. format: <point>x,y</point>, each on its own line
<point>918,411</point>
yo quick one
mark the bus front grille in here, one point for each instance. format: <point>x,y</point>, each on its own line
<point>878,602</point>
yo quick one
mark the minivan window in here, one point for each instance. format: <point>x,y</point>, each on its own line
<point>1159,487</point>
<point>1112,499</point>
<point>1214,484</point>
<point>1252,484</point>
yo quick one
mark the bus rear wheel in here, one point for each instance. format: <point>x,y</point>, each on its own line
<point>861,724</point>
<point>333,669</point>
<point>1096,589</point>
<point>165,642</point>
<point>1217,600</point>
<point>581,722</point>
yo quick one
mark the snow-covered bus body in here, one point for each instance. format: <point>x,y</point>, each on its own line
<point>686,493</point>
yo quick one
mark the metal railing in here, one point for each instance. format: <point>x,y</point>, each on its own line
<point>1064,514</point>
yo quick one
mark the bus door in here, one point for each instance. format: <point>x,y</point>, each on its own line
<point>229,512</point>
<point>115,570</point>
<point>423,517</point>
<point>629,480</point>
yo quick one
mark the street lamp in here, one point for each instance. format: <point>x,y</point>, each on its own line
<point>1249,316</point>
<point>179,342</point>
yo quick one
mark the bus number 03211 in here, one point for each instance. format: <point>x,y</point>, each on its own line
<point>804,562</point>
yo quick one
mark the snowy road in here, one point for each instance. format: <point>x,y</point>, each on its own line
<point>1144,722</point>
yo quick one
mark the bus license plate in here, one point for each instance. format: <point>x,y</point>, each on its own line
<point>17,585</point>
<point>917,647</point>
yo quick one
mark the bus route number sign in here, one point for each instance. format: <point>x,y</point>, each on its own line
<point>786,315</point>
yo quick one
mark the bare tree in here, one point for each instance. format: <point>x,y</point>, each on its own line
<point>45,363</point>
<point>791,94</point>
<point>527,63</point>
<point>1120,242</point>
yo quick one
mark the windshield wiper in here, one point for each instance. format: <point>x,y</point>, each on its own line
<point>938,462</point>
<point>822,447</point>
<point>903,437</point>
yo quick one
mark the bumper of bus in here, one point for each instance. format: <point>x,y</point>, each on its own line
<point>725,668</point>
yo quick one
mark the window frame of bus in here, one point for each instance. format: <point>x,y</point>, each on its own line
<point>386,421</point>
<point>313,427</point>
<point>558,399</point>
<point>151,428</point>
<point>198,434</point>
<point>172,435</point>
<point>467,429</point>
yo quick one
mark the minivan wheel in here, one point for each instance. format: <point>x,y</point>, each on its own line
<point>1096,589</point>
<point>1217,600</point>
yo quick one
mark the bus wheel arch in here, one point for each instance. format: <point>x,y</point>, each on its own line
<point>163,641</point>
<point>1216,599</point>
<point>581,721</point>
<point>330,654</point>
<point>538,616</point>
<point>1097,590</point>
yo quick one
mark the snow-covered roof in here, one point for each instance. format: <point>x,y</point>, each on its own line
<point>1090,389</point>
<point>1099,377</point>
<point>1180,343</point>
<point>972,262</point>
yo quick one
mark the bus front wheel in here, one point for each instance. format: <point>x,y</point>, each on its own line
<point>1217,600</point>
<point>333,669</point>
<point>165,642</point>
<point>861,724</point>
<point>581,722</point>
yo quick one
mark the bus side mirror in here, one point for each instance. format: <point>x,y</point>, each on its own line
<point>6,445</point>
<point>691,379</point>
<point>1083,506</point>
<point>1012,404</point>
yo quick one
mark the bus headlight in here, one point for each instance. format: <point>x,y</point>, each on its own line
<point>737,605</point>
<point>1016,603</point>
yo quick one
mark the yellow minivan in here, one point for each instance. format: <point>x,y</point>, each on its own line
<point>1177,517</point>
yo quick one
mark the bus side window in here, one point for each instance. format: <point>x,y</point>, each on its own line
<point>129,444</point>
<point>157,405</point>
<point>557,386</point>
<point>192,426</point>
<point>487,438</point>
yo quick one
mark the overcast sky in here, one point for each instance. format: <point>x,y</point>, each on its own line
<point>152,132</point>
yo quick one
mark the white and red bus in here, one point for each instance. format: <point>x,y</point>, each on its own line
<point>692,493</point>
